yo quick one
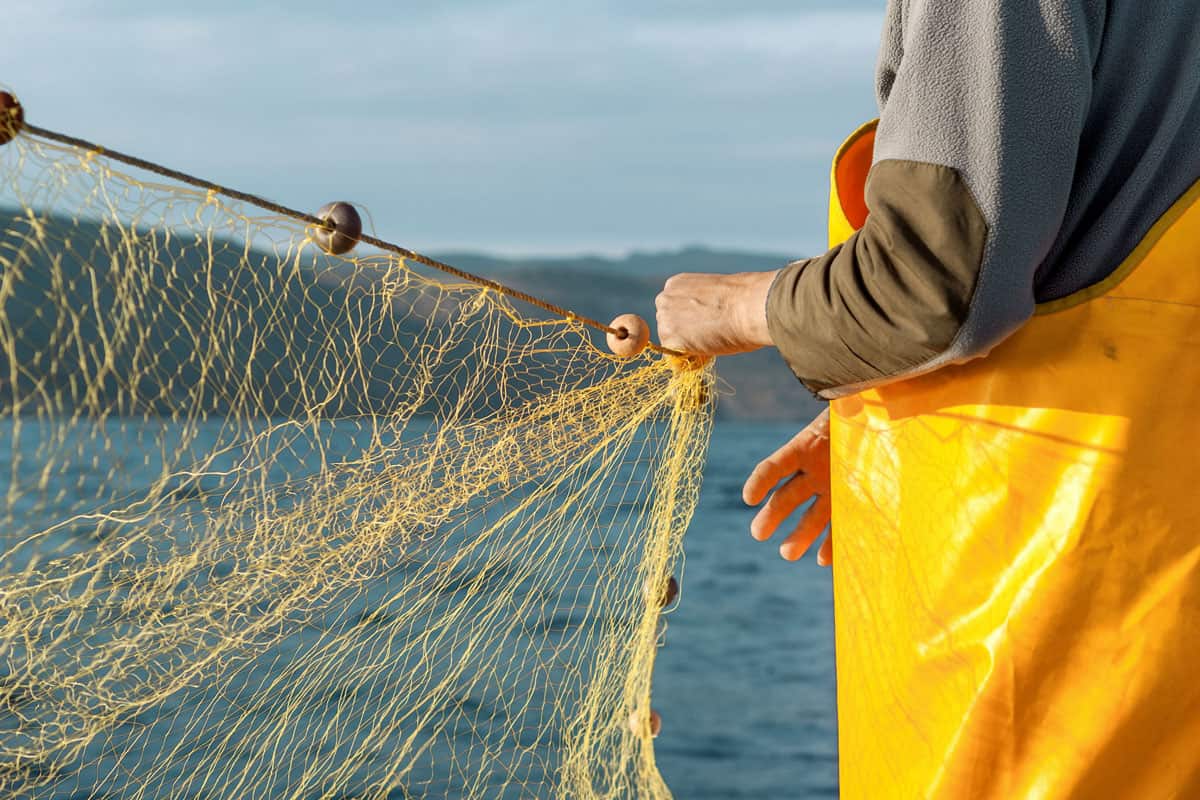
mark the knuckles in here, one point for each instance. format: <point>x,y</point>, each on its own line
<point>674,281</point>
<point>680,281</point>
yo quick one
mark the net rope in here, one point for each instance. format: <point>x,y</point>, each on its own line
<point>281,524</point>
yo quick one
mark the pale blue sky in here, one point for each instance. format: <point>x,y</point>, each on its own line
<point>514,126</point>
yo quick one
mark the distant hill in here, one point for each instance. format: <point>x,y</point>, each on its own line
<point>166,368</point>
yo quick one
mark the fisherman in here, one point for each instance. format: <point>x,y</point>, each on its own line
<point>1008,327</point>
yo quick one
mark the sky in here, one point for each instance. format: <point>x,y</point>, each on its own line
<point>519,127</point>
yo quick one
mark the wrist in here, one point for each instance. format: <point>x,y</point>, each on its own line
<point>753,309</point>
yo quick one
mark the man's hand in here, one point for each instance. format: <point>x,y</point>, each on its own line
<point>804,461</point>
<point>714,315</point>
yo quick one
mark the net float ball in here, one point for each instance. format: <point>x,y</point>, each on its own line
<point>660,593</point>
<point>670,592</point>
<point>346,230</point>
<point>12,117</point>
<point>638,723</point>
<point>632,336</point>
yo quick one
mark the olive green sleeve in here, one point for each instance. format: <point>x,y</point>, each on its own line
<point>895,295</point>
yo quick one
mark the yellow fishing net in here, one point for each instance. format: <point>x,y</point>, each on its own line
<point>280,524</point>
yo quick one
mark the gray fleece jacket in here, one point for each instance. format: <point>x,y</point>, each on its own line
<point>1024,148</point>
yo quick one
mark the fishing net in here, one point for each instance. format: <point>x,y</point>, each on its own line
<point>280,524</point>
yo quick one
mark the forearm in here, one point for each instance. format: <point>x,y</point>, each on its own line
<point>892,297</point>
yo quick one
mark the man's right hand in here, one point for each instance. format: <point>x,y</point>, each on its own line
<point>804,462</point>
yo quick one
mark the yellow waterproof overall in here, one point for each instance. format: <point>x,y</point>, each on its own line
<point>1017,546</point>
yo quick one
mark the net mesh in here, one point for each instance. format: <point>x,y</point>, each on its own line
<point>280,524</point>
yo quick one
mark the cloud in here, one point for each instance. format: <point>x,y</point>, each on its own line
<point>792,37</point>
<point>477,123</point>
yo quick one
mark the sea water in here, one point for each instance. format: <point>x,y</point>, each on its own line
<point>744,680</point>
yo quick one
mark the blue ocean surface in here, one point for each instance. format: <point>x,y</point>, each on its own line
<point>745,680</point>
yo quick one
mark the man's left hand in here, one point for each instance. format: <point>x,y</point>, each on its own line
<point>714,315</point>
<point>803,467</point>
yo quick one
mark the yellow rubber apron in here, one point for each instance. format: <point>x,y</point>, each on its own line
<point>1017,546</point>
